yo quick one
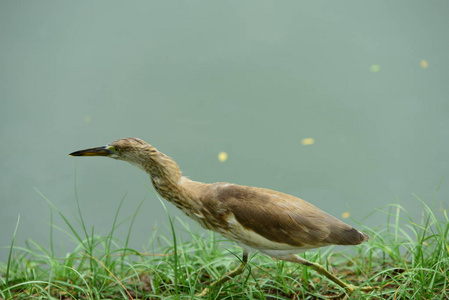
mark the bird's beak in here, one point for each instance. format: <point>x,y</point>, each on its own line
<point>98,151</point>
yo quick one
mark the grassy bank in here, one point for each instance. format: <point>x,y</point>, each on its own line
<point>404,259</point>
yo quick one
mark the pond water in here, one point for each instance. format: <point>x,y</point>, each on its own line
<point>345,106</point>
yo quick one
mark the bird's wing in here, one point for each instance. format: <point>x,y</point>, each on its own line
<point>277,217</point>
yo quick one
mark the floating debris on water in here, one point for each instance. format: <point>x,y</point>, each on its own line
<point>424,64</point>
<point>308,141</point>
<point>222,156</point>
<point>374,68</point>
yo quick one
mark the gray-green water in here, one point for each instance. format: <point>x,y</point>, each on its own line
<point>367,80</point>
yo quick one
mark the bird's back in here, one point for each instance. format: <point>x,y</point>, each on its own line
<point>263,219</point>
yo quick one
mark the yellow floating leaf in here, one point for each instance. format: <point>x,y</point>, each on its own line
<point>374,68</point>
<point>345,215</point>
<point>424,63</point>
<point>87,119</point>
<point>308,141</point>
<point>222,156</point>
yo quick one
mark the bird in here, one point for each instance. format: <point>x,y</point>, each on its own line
<point>257,219</point>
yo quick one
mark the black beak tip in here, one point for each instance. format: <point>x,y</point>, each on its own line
<point>98,151</point>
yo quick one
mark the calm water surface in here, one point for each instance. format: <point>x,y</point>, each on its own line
<point>367,81</point>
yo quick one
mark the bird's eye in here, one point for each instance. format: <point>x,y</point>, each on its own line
<point>116,149</point>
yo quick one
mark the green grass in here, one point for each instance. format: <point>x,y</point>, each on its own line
<point>405,259</point>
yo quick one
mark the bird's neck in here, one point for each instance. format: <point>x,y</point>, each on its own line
<point>168,181</point>
<point>165,176</point>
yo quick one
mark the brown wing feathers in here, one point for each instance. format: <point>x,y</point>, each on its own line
<point>280,217</point>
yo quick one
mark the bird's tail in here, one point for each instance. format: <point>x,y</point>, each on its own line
<point>365,236</point>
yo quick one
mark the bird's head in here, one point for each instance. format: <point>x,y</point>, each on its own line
<point>132,150</point>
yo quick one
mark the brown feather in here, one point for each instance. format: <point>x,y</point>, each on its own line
<point>277,216</point>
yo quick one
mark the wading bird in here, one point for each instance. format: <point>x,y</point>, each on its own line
<point>274,223</point>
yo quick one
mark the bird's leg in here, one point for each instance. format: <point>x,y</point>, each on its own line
<point>229,275</point>
<point>320,269</point>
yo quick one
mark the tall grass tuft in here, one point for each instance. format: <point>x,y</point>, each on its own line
<point>404,259</point>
